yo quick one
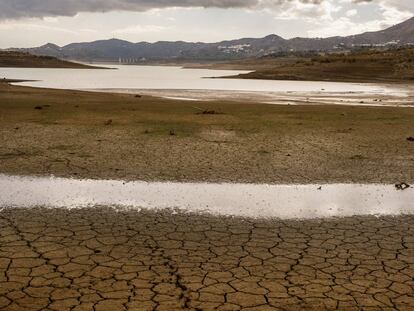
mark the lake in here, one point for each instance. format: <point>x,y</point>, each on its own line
<point>170,81</point>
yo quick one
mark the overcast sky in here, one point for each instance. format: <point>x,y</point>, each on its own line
<point>27,23</point>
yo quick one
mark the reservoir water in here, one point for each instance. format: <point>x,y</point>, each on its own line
<point>133,78</point>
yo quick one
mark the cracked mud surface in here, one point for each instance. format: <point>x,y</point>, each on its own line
<point>103,259</point>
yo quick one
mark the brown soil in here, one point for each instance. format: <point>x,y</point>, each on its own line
<point>25,60</point>
<point>103,259</point>
<point>108,259</point>
<point>97,135</point>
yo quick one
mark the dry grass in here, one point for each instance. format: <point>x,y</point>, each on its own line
<point>156,139</point>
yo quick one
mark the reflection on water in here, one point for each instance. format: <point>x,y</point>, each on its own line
<point>176,78</point>
<point>246,200</point>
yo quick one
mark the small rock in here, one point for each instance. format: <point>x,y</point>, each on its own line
<point>38,108</point>
<point>357,157</point>
<point>410,138</point>
<point>209,112</point>
<point>402,186</point>
<point>109,122</point>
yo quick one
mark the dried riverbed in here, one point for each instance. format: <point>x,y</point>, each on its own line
<point>102,259</point>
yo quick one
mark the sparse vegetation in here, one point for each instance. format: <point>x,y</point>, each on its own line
<point>159,139</point>
<point>20,59</point>
<point>394,65</point>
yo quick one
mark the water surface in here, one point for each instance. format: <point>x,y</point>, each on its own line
<point>245,200</point>
<point>130,78</point>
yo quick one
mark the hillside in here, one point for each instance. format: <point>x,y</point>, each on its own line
<point>19,59</point>
<point>363,66</point>
<point>115,50</point>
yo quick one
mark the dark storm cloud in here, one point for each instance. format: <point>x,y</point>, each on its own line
<point>14,9</point>
<point>11,9</point>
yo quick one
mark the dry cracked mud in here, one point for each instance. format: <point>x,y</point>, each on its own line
<point>107,259</point>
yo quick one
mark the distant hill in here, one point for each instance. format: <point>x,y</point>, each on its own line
<point>26,60</point>
<point>127,52</point>
<point>394,65</point>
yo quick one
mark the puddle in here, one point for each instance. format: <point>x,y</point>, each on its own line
<point>246,200</point>
<point>181,98</point>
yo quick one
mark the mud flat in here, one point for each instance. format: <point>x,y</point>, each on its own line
<point>136,137</point>
<point>394,96</point>
<point>103,259</point>
<point>106,258</point>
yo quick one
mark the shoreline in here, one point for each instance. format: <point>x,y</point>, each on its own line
<point>280,98</point>
<point>256,75</point>
<point>401,97</point>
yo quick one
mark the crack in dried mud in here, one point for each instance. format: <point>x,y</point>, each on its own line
<point>106,259</point>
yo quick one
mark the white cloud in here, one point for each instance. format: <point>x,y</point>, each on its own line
<point>138,29</point>
<point>351,13</point>
<point>252,18</point>
<point>400,5</point>
<point>13,9</point>
<point>343,26</point>
<point>15,26</point>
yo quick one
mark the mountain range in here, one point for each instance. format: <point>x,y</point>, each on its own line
<point>115,50</point>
